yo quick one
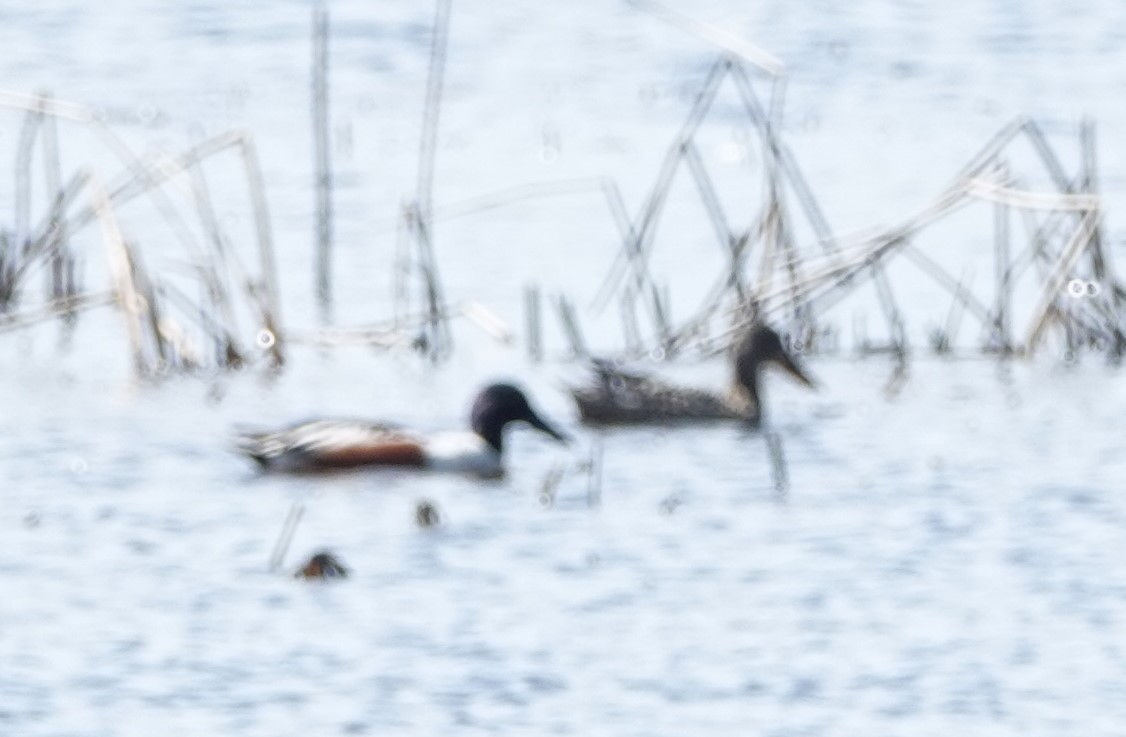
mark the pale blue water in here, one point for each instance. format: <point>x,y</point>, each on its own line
<point>946,561</point>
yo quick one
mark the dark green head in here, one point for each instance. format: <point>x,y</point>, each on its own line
<point>499,404</point>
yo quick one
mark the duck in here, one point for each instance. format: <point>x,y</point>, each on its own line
<point>322,565</point>
<point>619,397</point>
<point>327,444</point>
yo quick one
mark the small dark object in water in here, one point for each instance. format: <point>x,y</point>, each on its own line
<point>426,514</point>
<point>670,504</point>
<point>322,565</point>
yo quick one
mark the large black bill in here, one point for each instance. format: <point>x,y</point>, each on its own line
<point>791,367</point>
<point>534,420</point>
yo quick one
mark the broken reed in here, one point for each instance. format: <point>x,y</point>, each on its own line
<point>434,338</point>
<point>285,536</point>
<point>533,326</point>
<point>322,167</point>
<point>571,329</point>
<point>403,330</point>
<point>796,290</point>
<point>159,339</point>
<point>784,283</point>
<point>768,228</point>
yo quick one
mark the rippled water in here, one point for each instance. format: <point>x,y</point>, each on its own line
<point>946,560</point>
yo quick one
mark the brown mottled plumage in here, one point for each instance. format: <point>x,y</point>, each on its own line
<point>619,397</point>
<point>322,565</point>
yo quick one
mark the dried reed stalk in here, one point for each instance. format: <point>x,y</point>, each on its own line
<point>124,276</point>
<point>571,327</point>
<point>533,323</point>
<point>55,309</point>
<point>322,160</point>
<point>285,537</point>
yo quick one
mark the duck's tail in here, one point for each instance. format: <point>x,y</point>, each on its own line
<point>260,446</point>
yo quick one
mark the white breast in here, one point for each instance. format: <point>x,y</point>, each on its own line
<point>462,452</point>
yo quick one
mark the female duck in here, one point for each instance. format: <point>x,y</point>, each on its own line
<point>617,397</point>
<point>323,445</point>
<point>322,565</point>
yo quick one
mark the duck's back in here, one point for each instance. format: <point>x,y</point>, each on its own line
<point>328,444</point>
<point>619,397</point>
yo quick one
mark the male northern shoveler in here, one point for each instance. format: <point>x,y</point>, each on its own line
<point>618,397</point>
<point>323,445</point>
